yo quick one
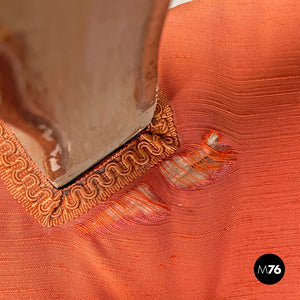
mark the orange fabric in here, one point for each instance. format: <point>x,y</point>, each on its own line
<point>228,65</point>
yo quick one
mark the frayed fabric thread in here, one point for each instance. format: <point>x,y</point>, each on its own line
<point>199,165</point>
<point>139,205</point>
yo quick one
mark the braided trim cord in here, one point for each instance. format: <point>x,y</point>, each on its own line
<point>52,206</point>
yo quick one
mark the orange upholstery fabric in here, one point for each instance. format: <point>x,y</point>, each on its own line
<point>228,65</point>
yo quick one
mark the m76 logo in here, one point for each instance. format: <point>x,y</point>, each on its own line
<point>269,269</point>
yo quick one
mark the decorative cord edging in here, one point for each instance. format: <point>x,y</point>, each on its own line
<point>52,206</point>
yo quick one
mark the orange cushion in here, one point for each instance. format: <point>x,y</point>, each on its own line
<point>227,65</point>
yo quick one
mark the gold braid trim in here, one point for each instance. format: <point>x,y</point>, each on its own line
<point>52,206</point>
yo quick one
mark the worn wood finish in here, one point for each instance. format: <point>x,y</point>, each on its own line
<point>77,79</point>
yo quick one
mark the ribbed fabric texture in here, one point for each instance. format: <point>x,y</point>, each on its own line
<point>227,65</point>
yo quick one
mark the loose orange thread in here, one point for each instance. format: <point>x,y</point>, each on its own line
<point>199,164</point>
<point>139,205</point>
<point>53,206</point>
